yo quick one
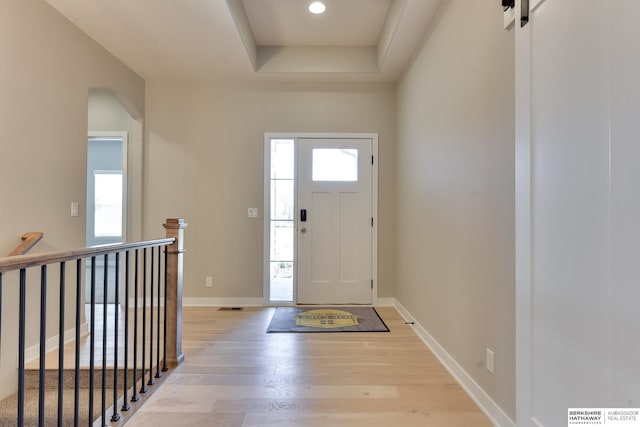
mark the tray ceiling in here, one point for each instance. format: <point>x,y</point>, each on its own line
<point>254,40</point>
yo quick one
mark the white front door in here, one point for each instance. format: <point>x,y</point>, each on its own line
<point>334,223</point>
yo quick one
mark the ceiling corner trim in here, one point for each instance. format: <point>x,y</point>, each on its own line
<point>241,20</point>
<point>389,29</point>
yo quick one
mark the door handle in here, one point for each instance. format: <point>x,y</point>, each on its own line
<point>303,230</point>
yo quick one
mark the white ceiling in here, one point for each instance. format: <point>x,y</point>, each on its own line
<point>355,40</point>
<point>289,23</point>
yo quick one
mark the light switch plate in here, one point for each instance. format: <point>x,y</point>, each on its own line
<point>489,360</point>
<point>252,212</point>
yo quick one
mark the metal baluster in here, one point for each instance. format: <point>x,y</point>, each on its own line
<point>143,388</point>
<point>158,374</point>
<point>92,339</point>
<point>116,307</point>
<point>61,342</point>
<point>76,385</point>
<point>21,344</point>
<point>43,342</point>
<point>135,396</point>
<point>105,296</point>
<point>0,318</point>
<point>164,350</point>
<point>125,402</point>
<point>151,381</point>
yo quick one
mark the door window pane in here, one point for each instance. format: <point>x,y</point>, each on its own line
<point>335,164</point>
<point>281,240</point>
<point>281,281</point>
<point>281,199</point>
<point>282,161</point>
<point>108,204</point>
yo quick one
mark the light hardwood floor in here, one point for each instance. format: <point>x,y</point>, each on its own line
<point>235,374</point>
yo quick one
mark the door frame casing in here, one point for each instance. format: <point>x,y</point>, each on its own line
<point>125,174</point>
<point>268,136</point>
<point>124,136</point>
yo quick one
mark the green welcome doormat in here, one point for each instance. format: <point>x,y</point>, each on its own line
<point>326,319</point>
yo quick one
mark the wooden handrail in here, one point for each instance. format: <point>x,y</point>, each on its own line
<point>29,240</point>
<point>27,261</point>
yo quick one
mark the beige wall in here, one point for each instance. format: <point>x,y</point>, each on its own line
<point>204,162</point>
<point>455,199</point>
<point>46,69</point>
<point>106,113</point>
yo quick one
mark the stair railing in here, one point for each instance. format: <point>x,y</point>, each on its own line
<point>145,269</point>
<point>29,239</point>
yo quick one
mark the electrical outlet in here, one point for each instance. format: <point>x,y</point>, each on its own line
<point>208,282</point>
<point>489,362</point>
<point>74,209</point>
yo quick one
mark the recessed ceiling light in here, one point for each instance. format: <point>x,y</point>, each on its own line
<point>317,7</point>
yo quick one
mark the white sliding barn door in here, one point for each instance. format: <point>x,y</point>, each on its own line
<point>577,208</point>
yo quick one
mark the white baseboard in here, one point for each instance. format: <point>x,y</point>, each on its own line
<point>385,302</point>
<point>132,302</point>
<point>222,302</point>
<point>33,352</point>
<point>254,302</point>
<point>490,408</point>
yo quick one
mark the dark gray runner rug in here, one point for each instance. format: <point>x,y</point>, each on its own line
<point>326,319</point>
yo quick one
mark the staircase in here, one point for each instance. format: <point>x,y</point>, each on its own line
<point>8,406</point>
<point>63,412</point>
<point>104,375</point>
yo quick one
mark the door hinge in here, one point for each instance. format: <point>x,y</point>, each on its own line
<point>372,221</point>
<point>371,159</point>
<point>371,283</point>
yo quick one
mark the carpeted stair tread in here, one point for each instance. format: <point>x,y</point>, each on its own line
<point>8,406</point>
<point>51,378</point>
